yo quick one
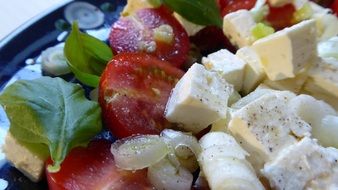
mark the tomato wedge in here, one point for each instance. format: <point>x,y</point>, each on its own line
<point>94,168</point>
<point>281,17</point>
<point>137,33</point>
<point>334,7</point>
<point>133,93</point>
<point>229,6</point>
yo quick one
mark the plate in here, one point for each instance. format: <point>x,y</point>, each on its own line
<point>19,51</point>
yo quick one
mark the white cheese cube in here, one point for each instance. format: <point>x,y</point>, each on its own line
<point>279,3</point>
<point>230,67</point>
<point>237,27</point>
<point>253,96</point>
<point>223,163</point>
<point>253,73</point>
<point>198,99</point>
<point>302,166</point>
<point>285,53</point>
<point>189,27</point>
<point>324,77</point>
<point>24,158</point>
<point>291,84</point>
<point>266,126</point>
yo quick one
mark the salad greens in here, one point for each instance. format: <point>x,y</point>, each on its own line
<point>86,56</point>
<point>57,114</point>
<point>202,12</point>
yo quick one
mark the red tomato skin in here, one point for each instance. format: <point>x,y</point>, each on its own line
<point>133,93</point>
<point>334,7</point>
<point>94,168</point>
<point>281,17</point>
<point>126,35</point>
<point>229,6</point>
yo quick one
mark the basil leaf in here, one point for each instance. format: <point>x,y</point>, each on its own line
<point>52,112</point>
<point>86,56</point>
<point>202,12</point>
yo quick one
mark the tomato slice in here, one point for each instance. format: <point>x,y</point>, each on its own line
<point>281,17</point>
<point>133,93</point>
<point>135,33</point>
<point>229,6</point>
<point>94,168</point>
<point>334,7</point>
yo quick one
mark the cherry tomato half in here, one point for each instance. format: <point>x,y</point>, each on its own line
<point>133,93</point>
<point>94,168</point>
<point>137,33</point>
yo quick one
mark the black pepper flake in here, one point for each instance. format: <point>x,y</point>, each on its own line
<point>270,149</point>
<point>300,168</point>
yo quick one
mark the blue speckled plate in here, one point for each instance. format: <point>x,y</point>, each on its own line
<point>17,54</point>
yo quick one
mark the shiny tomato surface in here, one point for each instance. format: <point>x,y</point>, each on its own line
<point>133,92</point>
<point>93,168</point>
<point>136,33</point>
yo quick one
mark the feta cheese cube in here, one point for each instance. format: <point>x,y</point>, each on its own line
<point>279,3</point>
<point>237,27</point>
<point>230,67</point>
<point>189,27</point>
<point>253,96</point>
<point>267,126</point>
<point>25,158</point>
<point>324,77</point>
<point>292,84</point>
<point>287,52</point>
<point>303,166</point>
<point>253,73</point>
<point>198,99</point>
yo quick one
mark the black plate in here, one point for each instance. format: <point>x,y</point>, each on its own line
<point>25,44</point>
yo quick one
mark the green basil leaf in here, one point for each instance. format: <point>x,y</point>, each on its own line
<point>86,56</point>
<point>52,112</point>
<point>202,12</point>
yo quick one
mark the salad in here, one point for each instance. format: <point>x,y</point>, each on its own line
<point>196,94</point>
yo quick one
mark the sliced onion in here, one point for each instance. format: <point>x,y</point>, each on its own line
<point>179,140</point>
<point>164,175</point>
<point>87,15</point>
<point>139,152</point>
<point>54,62</point>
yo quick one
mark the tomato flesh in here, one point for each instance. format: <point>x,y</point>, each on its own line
<point>229,6</point>
<point>133,93</point>
<point>94,168</point>
<point>281,17</point>
<point>135,33</point>
<point>334,7</point>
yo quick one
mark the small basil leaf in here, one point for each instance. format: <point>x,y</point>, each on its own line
<point>52,112</point>
<point>202,12</point>
<point>86,56</point>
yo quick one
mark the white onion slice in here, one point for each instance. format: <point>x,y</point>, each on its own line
<point>164,175</point>
<point>139,152</point>
<point>182,143</point>
<point>54,62</point>
<point>87,15</point>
